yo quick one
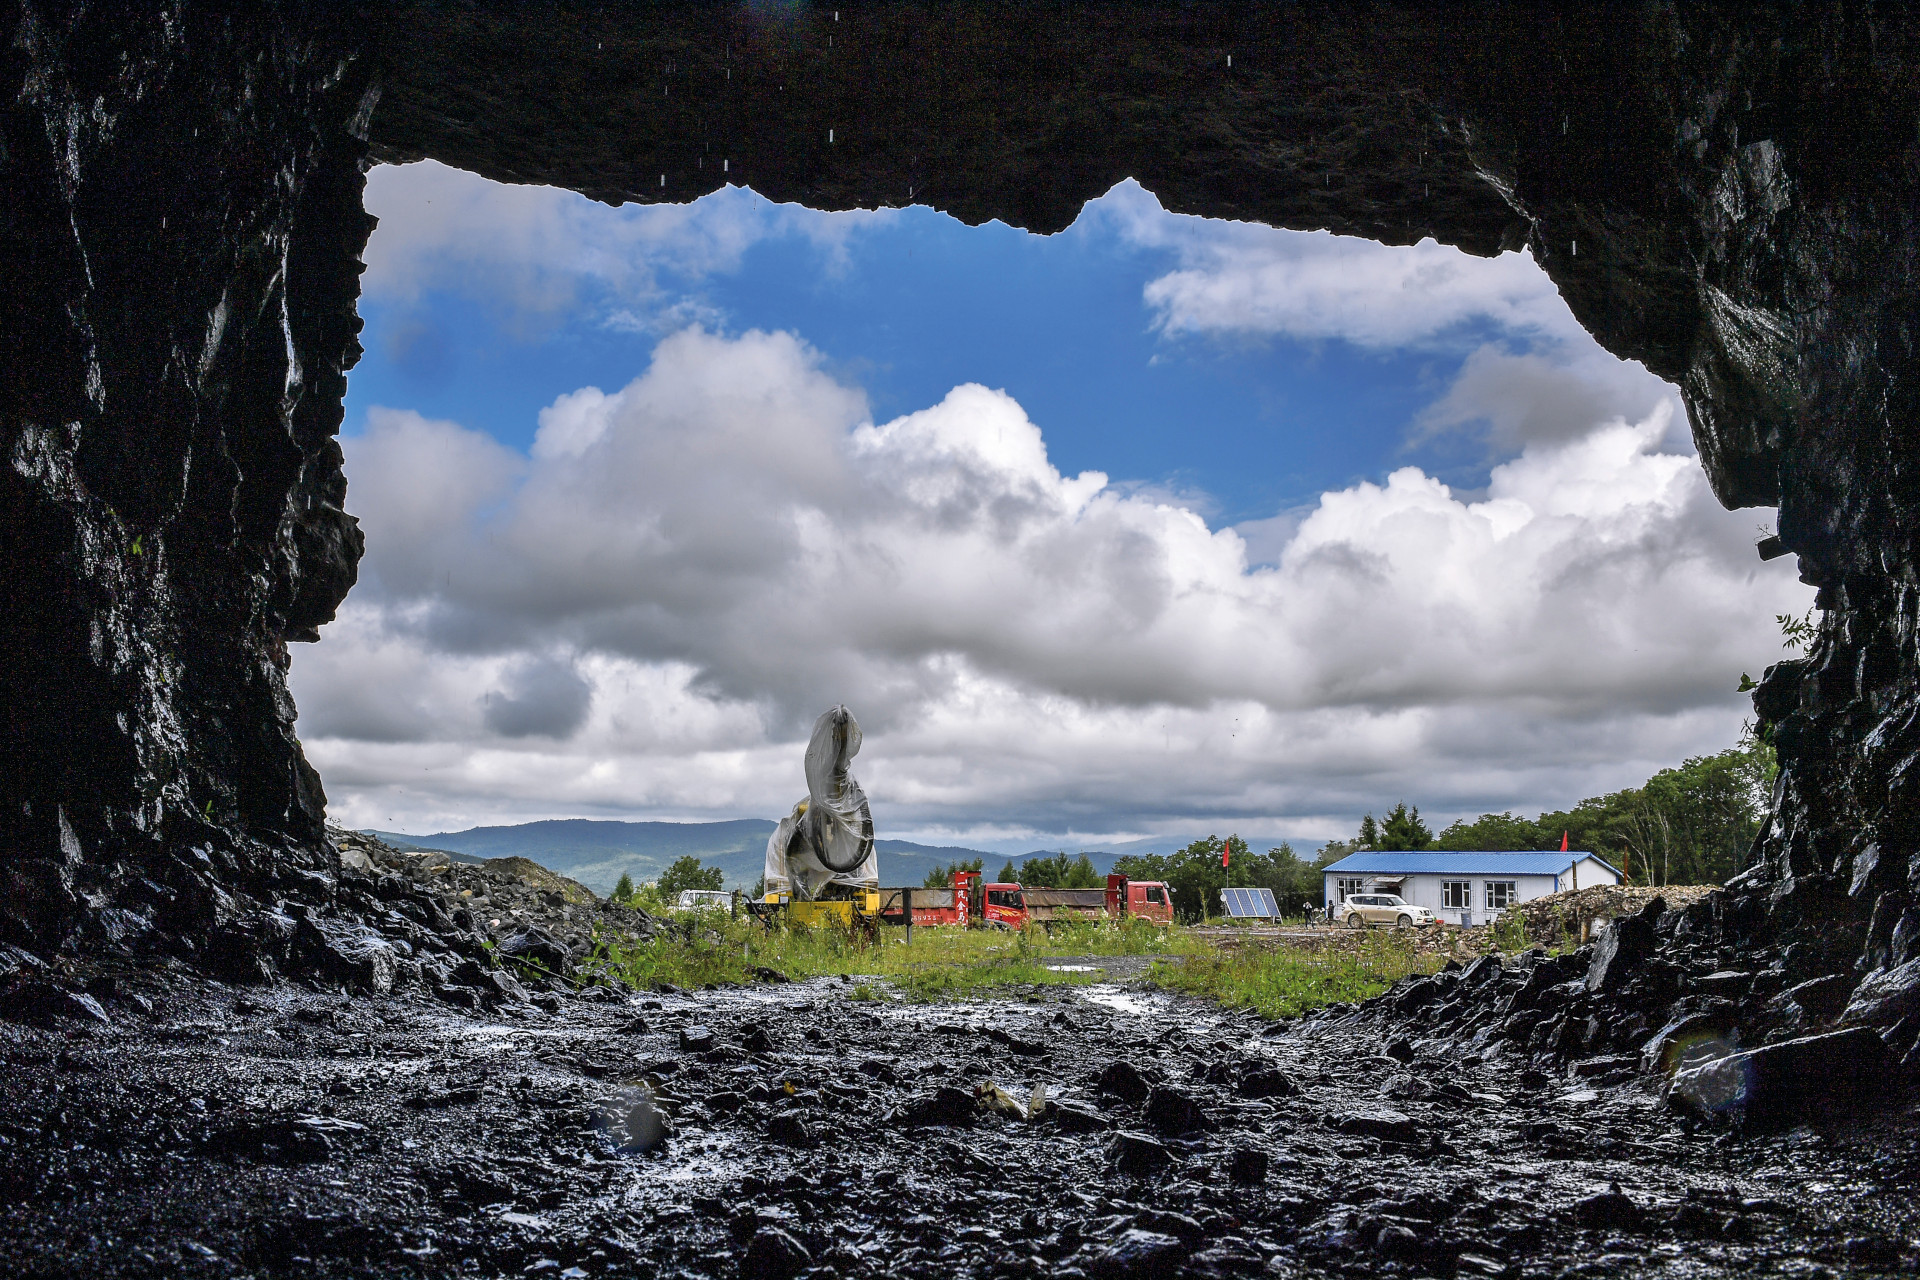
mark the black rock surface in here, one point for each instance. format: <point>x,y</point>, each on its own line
<point>287,1132</point>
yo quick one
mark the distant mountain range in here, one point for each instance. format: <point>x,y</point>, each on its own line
<point>598,853</point>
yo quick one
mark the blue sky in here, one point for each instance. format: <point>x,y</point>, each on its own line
<point>914,305</point>
<point>1154,526</point>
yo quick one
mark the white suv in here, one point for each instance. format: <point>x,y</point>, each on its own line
<point>1363,909</point>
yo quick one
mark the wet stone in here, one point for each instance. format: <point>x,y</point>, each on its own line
<point>1885,996</point>
<point>1397,1241</point>
<point>1137,1153</point>
<point>1732,983</point>
<point>1623,949</point>
<point>696,1039</point>
<point>46,1004</point>
<point>1821,998</point>
<point>946,1105</point>
<point>789,1130</point>
<point>1485,969</point>
<point>1610,1210</point>
<point>1186,1228</point>
<point>1685,1042</point>
<point>1268,1082</point>
<point>1388,1126</point>
<point>1247,1166</point>
<point>1069,1118</point>
<point>1139,1255</point>
<point>1123,1080</point>
<point>773,1254</point>
<point>1174,1112</point>
<point>1830,1075</point>
<point>538,947</point>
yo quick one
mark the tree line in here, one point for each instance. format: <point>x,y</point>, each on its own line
<point>1687,825</point>
<point>687,872</point>
<point>1692,824</point>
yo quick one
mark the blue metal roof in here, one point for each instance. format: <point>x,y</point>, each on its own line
<point>1462,864</point>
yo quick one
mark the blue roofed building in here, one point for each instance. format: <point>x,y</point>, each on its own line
<point>1463,888</point>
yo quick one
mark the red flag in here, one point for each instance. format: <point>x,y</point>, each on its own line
<point>1563,842</point>
<point>1226,851</point>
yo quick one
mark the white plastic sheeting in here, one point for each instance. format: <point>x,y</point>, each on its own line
<point>828,838</point>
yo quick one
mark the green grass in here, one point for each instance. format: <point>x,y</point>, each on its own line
<point>939,963</point>
<point>1281,981</point>
<point>1277,980</point>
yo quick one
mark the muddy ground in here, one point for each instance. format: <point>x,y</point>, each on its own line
<point>287,1132</point>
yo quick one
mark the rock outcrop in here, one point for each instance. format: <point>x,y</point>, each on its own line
<point>181,223</point>
<point>1724,193</point>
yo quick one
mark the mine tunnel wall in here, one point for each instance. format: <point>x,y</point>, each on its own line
<point>1725,195</point>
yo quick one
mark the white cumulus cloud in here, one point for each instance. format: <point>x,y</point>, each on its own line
<point>645,614</point>
<point>1530,373</point>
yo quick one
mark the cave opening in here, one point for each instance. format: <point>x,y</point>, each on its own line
<point>1229,526</point>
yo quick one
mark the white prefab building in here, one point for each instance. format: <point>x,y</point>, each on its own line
<point>1464,888</point>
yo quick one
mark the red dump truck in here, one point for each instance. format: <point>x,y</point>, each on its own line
<point>953,906</point>
<point>1012,906</point>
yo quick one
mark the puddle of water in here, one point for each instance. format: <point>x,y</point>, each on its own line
<point>1076,968</point>
<point>685,1162</point>
<point>1105,993</point>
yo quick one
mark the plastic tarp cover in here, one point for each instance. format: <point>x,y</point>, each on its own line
<point>828,838</point>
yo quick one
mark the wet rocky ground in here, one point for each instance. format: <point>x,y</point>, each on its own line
<point>201,1129</point>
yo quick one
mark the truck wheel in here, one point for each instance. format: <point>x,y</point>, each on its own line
<point>1355,920</point>
<point>1403,922</point>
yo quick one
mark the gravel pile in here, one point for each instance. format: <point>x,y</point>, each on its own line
<point>1569,916</point>
<point>499,899</point>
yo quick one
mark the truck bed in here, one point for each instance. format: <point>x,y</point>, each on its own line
<point>1062,904</point>
<point>923,900</point>
<point>930,907</point>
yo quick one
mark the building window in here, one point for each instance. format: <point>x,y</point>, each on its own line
<point>1345,888</point>
<point>1456,895</point>
<point>1501,894</point>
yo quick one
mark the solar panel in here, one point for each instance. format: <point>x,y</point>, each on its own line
<point>1250,904</point>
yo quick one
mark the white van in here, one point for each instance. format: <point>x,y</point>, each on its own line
<point>703,900</point>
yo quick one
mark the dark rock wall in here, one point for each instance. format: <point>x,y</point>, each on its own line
<point>180,227</point>
<point>1725,193</point>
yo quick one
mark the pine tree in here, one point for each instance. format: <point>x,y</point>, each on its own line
<point>1403,829</point>
<point>687,872</point>
<point>623,892</point>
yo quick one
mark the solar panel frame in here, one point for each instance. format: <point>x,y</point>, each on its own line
<point>1250,904</point>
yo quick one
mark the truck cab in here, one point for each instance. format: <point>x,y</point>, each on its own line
<point>1003,906</point>
<point>1149,900</point>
